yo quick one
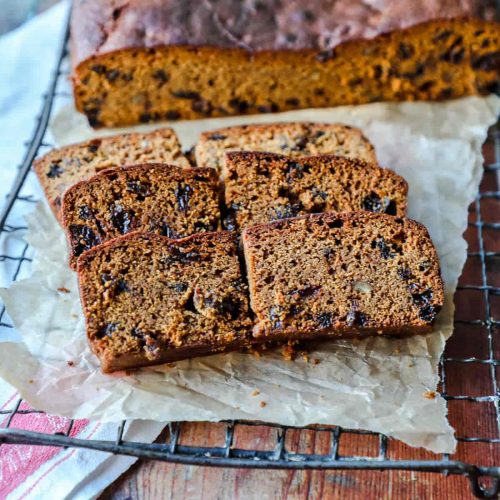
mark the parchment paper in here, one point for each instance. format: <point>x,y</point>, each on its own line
<point>383,385</point>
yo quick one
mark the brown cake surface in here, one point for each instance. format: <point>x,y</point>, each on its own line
<point>288,138</point>
<point>143,60</point>
<point>262,187</point>
<point>62,168</point>
<point>170,200</point>
<point>148,299</point>
<point>350,274</point>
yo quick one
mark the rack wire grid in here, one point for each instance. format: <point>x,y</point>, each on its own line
<point>469,368</point>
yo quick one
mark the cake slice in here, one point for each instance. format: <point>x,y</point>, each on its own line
<point>293,139</point>
<point>62,168</point>
<point>261,187</point>
<point>148,299</point>
<point>342,275</point>
<point>172,201</point>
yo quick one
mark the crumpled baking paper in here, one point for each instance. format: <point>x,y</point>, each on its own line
<point>377,384</point>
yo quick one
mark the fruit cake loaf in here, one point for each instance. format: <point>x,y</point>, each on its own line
<point>289,138</point>
<point>342,275</point>
<point>148,299</point>
<point>61,168</point>
<point>262,187</point>
<point>170,200</point>
<point>143,60</point>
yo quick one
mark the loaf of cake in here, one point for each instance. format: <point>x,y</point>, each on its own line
<point>148,299</point>
<point>262,187</point>
<point>145,60</point>
<point>170,200</point>
<point>342,275</point>
<point>62,168</point>
<point>289,138</point>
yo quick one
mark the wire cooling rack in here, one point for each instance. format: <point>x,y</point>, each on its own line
<point>470,368</point>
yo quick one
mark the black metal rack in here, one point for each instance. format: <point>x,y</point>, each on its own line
<point>228,454</point>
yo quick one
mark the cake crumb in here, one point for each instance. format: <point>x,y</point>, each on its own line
<point>70,363</point>
<point>430,394</point>
<point>263,404</point>
<point>255,392</point>
<point>63,289</point>
<point>316,361</point>
<point>31,381</point>
<point>288,353</point>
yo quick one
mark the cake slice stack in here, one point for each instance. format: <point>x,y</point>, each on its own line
<point>328,250</point>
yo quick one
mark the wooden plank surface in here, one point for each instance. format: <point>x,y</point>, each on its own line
<point>154,480</point>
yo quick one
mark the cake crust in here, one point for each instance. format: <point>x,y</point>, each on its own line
<point>251,26</point>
